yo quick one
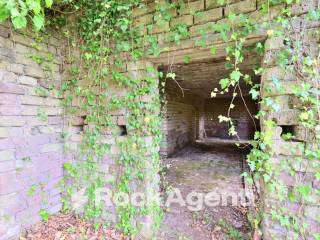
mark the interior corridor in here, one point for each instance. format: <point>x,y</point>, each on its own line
<point>205,169</point>
<point>202,186</point>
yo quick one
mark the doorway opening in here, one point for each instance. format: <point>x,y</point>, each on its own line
<point>200,155</point>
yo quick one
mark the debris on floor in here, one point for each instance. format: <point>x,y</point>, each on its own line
<point>70,227</point>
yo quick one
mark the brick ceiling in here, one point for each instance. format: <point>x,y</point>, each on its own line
<point>201,78</point>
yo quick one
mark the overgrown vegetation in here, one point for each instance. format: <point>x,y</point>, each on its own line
<point>101,40</point>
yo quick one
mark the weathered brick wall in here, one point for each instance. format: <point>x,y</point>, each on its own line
<point>180,121</point>
<point>215,13</point>
<point>219,106</point>
<point>31,146</point>
<point>290,152</point>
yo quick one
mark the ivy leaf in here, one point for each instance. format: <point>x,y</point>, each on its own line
<point>38,21</point>
<point>44,215</point>
<point>224,83</point>
<point>291,196</point>
<point>213,50</point>
<point>221,2</point>
<point>317,175</point>
<point>304,190</point>
<point>4,13</point>
<point>235,75</point>
<point>19,22</point>
<point>49,3</point>
<point>254,93</point>
<point>186,59</point>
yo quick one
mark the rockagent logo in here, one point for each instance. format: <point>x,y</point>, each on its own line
<point>193,201</point>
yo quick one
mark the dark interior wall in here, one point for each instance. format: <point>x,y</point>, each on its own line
<point>219,106</point>
<point>180,118</point>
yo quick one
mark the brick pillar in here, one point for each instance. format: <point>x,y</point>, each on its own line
<point>288,152</point>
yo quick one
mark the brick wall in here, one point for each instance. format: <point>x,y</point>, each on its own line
<point>31,147</point>
<point>180,118</point>
<point>292,152</point>
<point>219,106</point>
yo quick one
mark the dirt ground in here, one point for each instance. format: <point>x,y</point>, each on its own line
<point>204,168</point>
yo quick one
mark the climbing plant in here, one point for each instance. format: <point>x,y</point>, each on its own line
<point>103,43</point>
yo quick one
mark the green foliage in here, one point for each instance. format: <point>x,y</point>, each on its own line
<point>44,215</point>
<point>20,11</point>
<point>108,43</point>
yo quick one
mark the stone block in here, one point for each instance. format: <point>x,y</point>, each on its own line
<point>313,212</point>
<point>121,120</point>
<point>9,183</point>
<point>7,55</point>
<point>5,42</point>
<point>7,166</point>
<point>192,7</point>
<point>215,3</point>
<point>304,134</point>
<point>154,29</point>
<point>52,102</point>
<point>22,39</point>
<point>34,72</point>
<point>241,7</point>
<point>32,100</point>
<point>139,11</point>
<point>4,32</point>
<point>55,120</point>
<point>143,20</point>
<point>51,147</point>
<point>11,121</point>
<point>259,17</point>
<point>11,88</point>
<point>195,30</point>
<point>7,110</point>
<point>29,110</point>
<point>184,19</point>
<point>7,77</point>
<point>25,80</point>
<point>52,111</point>
<point>274,43</point>
<point>289,148</point>
<point>285,118</point>
<point>36,121</point>
<point>7,99</point>
<point>208,16</point>
<point>16,68</point>
<point>4,132</point>
<point>6,144</point>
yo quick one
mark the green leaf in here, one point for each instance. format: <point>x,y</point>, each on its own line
<point>4,13</point>
<point>304,190</point>
<point>38,21</point>
<point>224,83</point>
<point>254,93</point>
<point>213,50</point>
<point>19,22</point>
<point>235,75</point>
<point>186,59</point>
<point>44,215</point>
<point>49,3</point>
